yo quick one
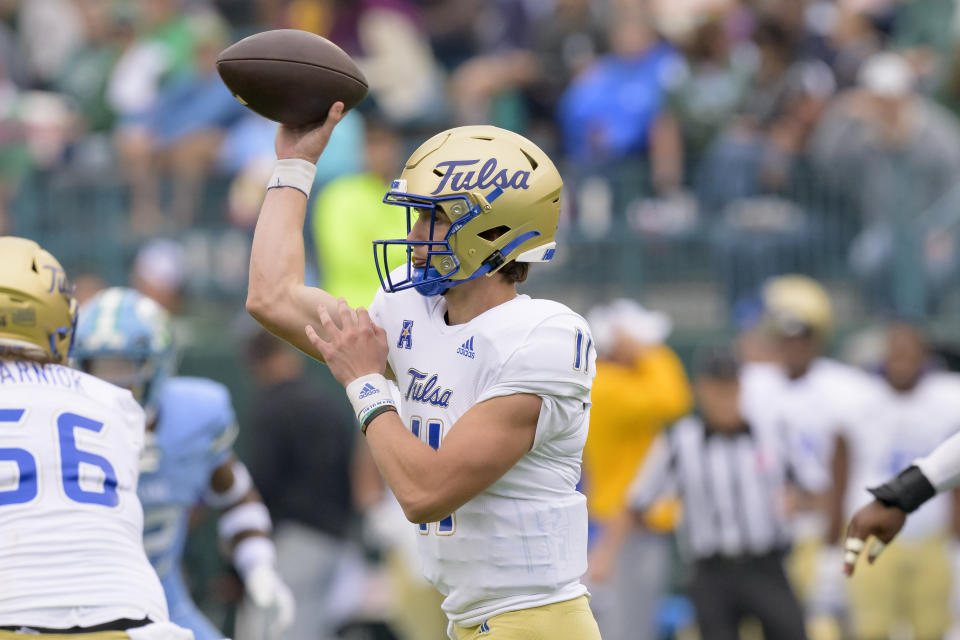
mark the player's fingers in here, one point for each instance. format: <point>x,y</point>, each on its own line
<point>363,319</point>
<point>319,343</point>
<point>851,550</point>
<point>334,115</point>
<point>875,550</point>
<point>326,320</point>
<point>348,316</point>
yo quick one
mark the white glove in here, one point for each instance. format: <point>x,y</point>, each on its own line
<point>271,601</point>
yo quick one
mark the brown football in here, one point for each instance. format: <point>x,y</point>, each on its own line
<point>291,76</point>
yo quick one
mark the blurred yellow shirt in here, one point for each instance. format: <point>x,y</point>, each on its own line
<point>631,405</point>
<point>348,217</point>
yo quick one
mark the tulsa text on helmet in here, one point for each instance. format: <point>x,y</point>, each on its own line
<point>488,176</point>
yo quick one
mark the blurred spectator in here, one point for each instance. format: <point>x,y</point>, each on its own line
<point>639,389</point>
<point>463,29</point>
<point>180,132</point>
<point>349,215</point>
<point>756,230</point>
<point>785,97</point>
<point>159,272</point>
<point>15,161</point>
<point>50,32</point>
<point>731,471</point>
<point>301,453</point>
<point>35,129</point>
<point>704,92</point>
<point>608,112</point>
<point>812,399</point>
<point>85,75</point>
<point>387,40</point>
<point>565,43</point>
<point>898,152</point>
<point>915,409</point>
<point>87,285</point>
<point>854,38</point>
<point>163,46</point>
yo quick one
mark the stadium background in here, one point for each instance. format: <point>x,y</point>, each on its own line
<point>706,145</point>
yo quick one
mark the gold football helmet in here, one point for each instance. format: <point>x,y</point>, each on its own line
<point>501,194</point>
<point>796,303</point>
<point>38,312</point>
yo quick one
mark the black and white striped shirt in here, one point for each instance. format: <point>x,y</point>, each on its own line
<point>732,486</point>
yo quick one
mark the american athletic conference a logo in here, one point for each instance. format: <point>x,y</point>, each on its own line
<point>406,335</point>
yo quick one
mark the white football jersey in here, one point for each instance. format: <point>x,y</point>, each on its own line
<point>813,409</point>
<point>896,429</point>
<point>522,542</point>
<point>71,527</point>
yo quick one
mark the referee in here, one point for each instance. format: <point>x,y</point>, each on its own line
<point>732,477</point>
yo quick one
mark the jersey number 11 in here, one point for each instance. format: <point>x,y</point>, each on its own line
<point>433,435</point>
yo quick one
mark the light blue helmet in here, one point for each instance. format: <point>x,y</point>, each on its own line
<point>123,323</point>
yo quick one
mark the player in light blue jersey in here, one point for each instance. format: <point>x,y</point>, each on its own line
<point>125,337</point>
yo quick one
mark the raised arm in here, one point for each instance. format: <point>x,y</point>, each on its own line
<point>276,295</point>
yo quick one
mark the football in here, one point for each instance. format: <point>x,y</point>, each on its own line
<point>291,76</point>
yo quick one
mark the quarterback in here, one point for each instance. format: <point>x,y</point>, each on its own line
<point>71,552</point>
<point>125,337</point>
<point>494,386</point>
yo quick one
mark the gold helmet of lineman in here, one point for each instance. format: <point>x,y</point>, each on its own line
<point>796,304</point>
<point>501,193</point>
<point>38,312</point>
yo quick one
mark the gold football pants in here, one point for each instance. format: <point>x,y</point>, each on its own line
<point>570,620</point>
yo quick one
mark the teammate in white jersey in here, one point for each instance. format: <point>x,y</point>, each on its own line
<point>495,386</point>
<point>814,400</point>
<point>71,553</point>
<point>126,338</point>
<point>914,410</point>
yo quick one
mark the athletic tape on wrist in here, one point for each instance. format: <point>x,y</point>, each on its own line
<point>249,516</point>
<point>295,173</point>
<point>369,393</point>
<point>252,552</point>
<point>242,483</point>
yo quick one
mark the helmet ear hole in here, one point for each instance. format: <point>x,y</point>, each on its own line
<point>492,234</point>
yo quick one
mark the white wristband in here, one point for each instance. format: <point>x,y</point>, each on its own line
<point>252,552</point>
<point>368,393</point>
<point>293,172</point>
<point>249,516</point>
<point>242,484</point>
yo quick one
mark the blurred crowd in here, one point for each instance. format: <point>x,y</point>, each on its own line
<point>786,133</point>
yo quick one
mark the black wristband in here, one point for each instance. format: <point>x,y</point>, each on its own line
<point>907,491</point>
<point>373,414</point>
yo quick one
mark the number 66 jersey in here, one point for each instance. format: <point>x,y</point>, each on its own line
<point>71,551</point>
<point>522,542</point>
